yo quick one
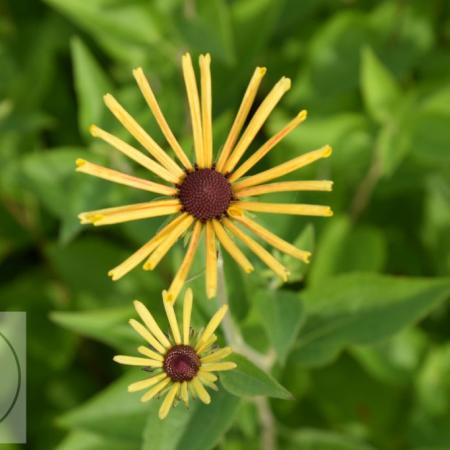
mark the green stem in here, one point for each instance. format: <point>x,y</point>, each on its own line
<point>234,338</point>
<point>232,333</point>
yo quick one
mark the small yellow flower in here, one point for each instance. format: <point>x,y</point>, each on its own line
<point>181,365</point>
<point>208,195</point>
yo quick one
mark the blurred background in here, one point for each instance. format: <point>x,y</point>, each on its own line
<point>375,78</point>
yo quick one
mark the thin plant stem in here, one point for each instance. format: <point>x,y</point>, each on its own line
<point>232,334</point>
<point>234,338</point>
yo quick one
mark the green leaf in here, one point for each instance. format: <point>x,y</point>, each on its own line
<point>198,428</point>
<point>310,439</point>
<point>84,265</point>
<point>433,382</point>
<point>430,413</point>
<point>393,361</point>
<point>247,380</point>
<point>379,88</point>
<point>210,30</point>
<point>114,412</point>
<point>345,247</point>
<point>362,309</point>
<point>108,325</point>
<point>50,175</point>
<point>253,21</point>
<point>81,440</point>
<point>114,20</point>
<point>91,83</point>
<point>281,314</point>
<point>438,101</point>
<point>430,134</point>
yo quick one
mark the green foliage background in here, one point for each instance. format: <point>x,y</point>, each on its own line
<point>361,335</point>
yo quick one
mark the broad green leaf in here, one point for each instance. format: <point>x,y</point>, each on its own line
<point>108,325</point>
<point>377,403</point>
<point>115,19</point>
<point>379,88</point>
<point>310,439</point>
<point>247,380</point>
<point>253,22</point>
<point>413,30</point>
<point>281,314</point>
<point>81,440</point>
<point>84,266</point>
<point>210,30</point>
<point>437,223</point>
<point>198,428</point>
<point>438,101</point>
<point>362,309</point>
<point>433,382</point>
<point>395,360</point>
<point>345,247</point>
<point>114,412</point>
<point>50,175</point>
<point>430,134</point>
<point>430,415</point>
<point>91,83</point>
<point>334,54</point>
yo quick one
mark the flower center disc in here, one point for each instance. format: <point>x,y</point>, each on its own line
<point>206,194</point>
<point>181,363</point>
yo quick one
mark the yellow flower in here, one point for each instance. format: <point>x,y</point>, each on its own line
<point>208,195</point>
<point>181,365</point>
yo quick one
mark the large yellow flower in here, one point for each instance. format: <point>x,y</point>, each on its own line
<point>181,365</point>
<point>211,194</point>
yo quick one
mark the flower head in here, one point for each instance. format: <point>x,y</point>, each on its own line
<point>182,363</point>
<point>211,194</point>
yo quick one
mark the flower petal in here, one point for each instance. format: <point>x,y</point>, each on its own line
<point>229,245</point>
<point>194,107</point>
<point>150,98</point>
<point>168,401</point>
<point>134,154</point>
<point>168,242</point>
<point>212,325</point>
<point>285,168</point>
<point>138,256</point>
<point>287,208</point>
<point>183,271</point>
<point>187,311</point>
<point>155,390</point>
<point>217,355</point>
<point>211,261</point>
<point>132,212</point>
<point>147,335</point>
<point>273,239</point>
<point>269,145</point>
<point>136,361</point>
<point>241,116</point>
<point>260,251</point>
<point>170,312</point>
<point>123,178</point>
<point>257,121</point>
<point>201,391</point>
<point>148,382</point>
<point>150,353</point>
<point>141,135</point>
<point>206,105</point>
<point>219,367</point>
<point>151,323</point>
<point>285,186</point>
<point>184,393</point>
